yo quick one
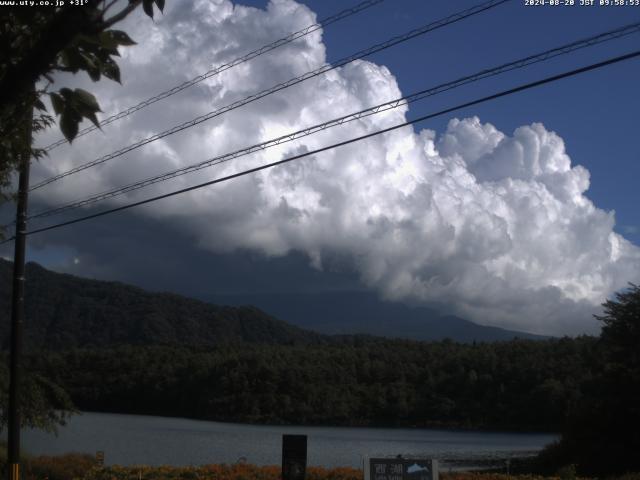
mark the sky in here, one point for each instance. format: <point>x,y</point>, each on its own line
<point>517,213</point>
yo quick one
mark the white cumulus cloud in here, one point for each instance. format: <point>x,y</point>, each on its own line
<point>497,227</point>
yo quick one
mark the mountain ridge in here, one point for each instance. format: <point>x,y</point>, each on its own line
<point>349,313</point>
<point>66,311</point>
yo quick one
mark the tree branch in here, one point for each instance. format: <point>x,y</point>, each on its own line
<point>122,14</point>
<point>108,6</point>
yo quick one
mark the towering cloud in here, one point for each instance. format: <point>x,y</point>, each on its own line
<point>493,226</point>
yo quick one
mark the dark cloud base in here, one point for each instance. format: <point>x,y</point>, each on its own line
<point>155,255</point>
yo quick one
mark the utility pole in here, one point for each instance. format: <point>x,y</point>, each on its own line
<point>17,306</point>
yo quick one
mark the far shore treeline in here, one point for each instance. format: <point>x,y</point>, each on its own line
<point>517,385</point>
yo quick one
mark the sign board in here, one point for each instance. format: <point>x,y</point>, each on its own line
<point>100,458</point>
<point>294,457</point>
<point>401,469</point>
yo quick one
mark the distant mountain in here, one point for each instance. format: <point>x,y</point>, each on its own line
<point>364,313</point>
<point>64,311</point>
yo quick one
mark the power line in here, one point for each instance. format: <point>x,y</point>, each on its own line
<point>215,71</point>
<point>346,142</point>
<point>520,63</point>
<point>456,17</point>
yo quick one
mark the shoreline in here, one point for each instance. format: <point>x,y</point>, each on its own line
<point>431,427</point>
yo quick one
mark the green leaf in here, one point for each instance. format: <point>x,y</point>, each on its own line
<point>147,6</point>
<point>120,37</point>
<point>58,103</point>
<point>160,4</point>
<point>75,60</point>
<point>108,43</point>
<point>111,70</point>
<point>89,63</point>
<point>107,40</point>
<point>64,58</point>
<point>92,68</point>
<point>39,105</point>
<point>67,94</point>
<point>87,99</point>
<point>83,110</point>
<point>92,116</point>
<point>69,125</point>
<point>89,39</point>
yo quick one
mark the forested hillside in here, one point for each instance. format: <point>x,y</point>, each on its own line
<point>117,348</point>
<point>64,311</point>
<point>514,385</point>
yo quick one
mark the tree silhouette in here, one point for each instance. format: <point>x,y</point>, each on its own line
<point>602,436</point>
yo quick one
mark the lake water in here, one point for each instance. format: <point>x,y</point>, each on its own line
<point>137,440</point>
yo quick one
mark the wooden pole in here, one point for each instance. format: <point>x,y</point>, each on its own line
<point>17,308</point>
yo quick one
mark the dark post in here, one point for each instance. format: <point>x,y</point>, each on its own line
<point>17,310</point>
<point>294,457</point>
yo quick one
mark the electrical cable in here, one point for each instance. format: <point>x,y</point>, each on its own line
<point>405,100</point>
<point>221,68</point>
<point>456,17</point>
<point>504,93</point>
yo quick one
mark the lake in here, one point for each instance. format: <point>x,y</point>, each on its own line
<point>137,440</point>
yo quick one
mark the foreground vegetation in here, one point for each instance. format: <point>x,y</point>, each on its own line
<point>83,467</point>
